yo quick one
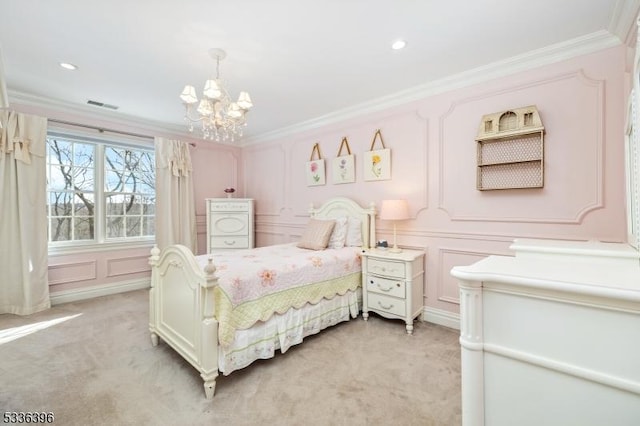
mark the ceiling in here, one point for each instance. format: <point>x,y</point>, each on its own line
<point>303,62</point>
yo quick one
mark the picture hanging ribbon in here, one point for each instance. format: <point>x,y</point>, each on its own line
<point>344,143</point>
<point>375,138</point>
<point>377,163</point>
<point>344,166</point>
<point>316,150</point>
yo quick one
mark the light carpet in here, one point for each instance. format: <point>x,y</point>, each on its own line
<point>92,363</point>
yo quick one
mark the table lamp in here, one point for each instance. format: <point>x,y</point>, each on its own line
<point>394,210</point>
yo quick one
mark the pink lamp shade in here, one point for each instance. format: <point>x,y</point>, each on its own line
<point>394,210</point>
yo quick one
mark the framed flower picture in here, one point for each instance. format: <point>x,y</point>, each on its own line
<point>344,166</point>
<point>314,169</point>
<point>377,163</point>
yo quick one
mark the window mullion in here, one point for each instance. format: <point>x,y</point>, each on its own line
<point>99,220</point>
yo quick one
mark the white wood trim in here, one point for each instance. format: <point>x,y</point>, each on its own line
<point>85,293</point>
<point>441,317</point>
<point>583,45</point>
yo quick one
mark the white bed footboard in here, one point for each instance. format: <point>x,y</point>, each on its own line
<point>181,309</point>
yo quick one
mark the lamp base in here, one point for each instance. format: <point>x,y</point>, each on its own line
<point>395,248</point>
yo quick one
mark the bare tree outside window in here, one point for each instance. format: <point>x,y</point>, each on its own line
<point>128,191</point>
<point>71,188</point>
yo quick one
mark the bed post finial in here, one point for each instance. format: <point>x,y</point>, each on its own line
<point>155,256</point>
<point>210,273</point>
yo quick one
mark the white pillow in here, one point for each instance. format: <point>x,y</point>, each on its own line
<point>316,234</point>
<point>354,233</point>
<point>339,234</point>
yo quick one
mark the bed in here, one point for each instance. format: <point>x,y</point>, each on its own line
<point>224,310</point>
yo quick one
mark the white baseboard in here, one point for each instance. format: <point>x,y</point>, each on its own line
<point>440,317</point>
<point>75,295</point>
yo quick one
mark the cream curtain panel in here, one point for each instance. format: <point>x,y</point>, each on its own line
<point>175,206</point>
<point>24,288</point>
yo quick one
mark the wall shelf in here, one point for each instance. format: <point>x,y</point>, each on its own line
<point>510,150</point>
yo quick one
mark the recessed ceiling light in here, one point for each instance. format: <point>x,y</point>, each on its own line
<point>68,66</point>
<point>398,44</point>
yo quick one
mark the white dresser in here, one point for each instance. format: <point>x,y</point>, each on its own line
<point>229,224</point>
<point>551,336</point>
<point>393,284</point>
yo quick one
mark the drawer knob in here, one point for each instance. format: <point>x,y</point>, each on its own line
<point>229,243</point>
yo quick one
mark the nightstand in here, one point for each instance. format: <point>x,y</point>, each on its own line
<point>393,284</point>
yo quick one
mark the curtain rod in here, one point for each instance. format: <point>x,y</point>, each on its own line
<point>102,130</point>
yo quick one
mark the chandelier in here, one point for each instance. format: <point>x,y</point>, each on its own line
<point>221,119</point>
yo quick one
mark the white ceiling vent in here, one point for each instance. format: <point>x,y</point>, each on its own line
<point>102,105</point>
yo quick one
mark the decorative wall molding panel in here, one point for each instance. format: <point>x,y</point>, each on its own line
<point>447,286</point>
<point>262,179</point>
<point>118,266</point>
<point>63,273</point>
<point>576,133</point>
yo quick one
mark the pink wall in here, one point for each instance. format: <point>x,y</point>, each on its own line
<point>581,102</point>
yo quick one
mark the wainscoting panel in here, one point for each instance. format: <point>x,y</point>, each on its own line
<point>64,273</point>
<point>447,286</point>
<point>127,265</point>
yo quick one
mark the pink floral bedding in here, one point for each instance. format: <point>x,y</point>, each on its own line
<point>254,284</point>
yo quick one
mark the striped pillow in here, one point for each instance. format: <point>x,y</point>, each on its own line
<point>316,235</point>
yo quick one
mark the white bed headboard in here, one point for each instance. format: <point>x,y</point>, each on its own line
<point>342,206</point>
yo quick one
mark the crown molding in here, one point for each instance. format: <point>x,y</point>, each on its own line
<point>533,59</point>
<point>154,128</point>
<point>548,55</point>
<point>622,21</point>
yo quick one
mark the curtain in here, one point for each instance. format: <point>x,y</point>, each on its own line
<point>175,205</point>
<point>24,287</point>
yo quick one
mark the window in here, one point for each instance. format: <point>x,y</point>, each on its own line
<point>99,191</point>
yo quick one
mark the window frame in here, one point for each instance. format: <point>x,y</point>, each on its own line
<point>100,242</point>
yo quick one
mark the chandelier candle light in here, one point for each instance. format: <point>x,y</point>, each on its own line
<point>221,118</point>
<point>394,210</point>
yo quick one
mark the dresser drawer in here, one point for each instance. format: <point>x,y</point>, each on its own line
<point>386,267</point>
<point>395,288</point>
<point>230,224</point>
<point>381,303</point>
<point>229,242</point>
<point>229,206</point>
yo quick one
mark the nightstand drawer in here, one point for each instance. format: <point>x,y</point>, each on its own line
<point>229,206</point>
<point>382,303</point>
<point>386,267</point>
<point>229,242</point>
<point>395,288</point>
